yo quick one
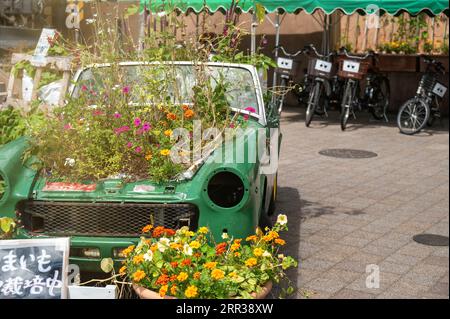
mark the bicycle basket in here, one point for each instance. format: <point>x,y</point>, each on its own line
<point>427,82</point>
<point>353,69</point>
<point>321,68</point>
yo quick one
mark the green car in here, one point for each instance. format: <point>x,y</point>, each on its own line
<point>102,219</point>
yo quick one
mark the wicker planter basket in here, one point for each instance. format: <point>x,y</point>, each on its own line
<point>145,293</point>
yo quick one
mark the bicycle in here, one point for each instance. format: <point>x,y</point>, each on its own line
<point>325,84</point>
<point>286,67</point>
<point>377,92</point>
<point>424,107</point>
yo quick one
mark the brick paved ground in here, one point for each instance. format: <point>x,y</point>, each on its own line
<point>347,213</point>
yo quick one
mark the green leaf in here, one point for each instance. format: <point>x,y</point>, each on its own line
<point>132,10</point>
<point>260,12</point>
<point>107,265</point>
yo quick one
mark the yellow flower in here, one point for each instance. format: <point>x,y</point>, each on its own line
<point>235,246</point>
<point>251,262</point>
<point>138,259</point>
<point>147,228</point>
<point>138,275</point>
<point>149,156</point>
<point>163,290</point>
<point>217,274</point>
<point>168,132</point>
<point>123,270</point>
<point>210,265</point>
<point>165,152</point>
<point>128,250</point>
<point>280,241</point>
<point>258,252</point>
<point>182,276</point>
<point>177,246</point>
<point>203,230</point>
<point>195,244</point>
<point>191,292</point>
<point>173,290</point>
<point>251,238</point>
<point>237,254</point>
<point>190,233</point>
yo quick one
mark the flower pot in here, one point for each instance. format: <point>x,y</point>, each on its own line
<point>398,62</point>
<point>145,293</point>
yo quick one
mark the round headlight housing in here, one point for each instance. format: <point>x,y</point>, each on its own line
<point>226,189</point>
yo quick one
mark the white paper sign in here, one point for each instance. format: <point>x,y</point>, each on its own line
<point>439,89</point>
<point>323,66</point>
<point>351,66</point>
<point>43,45</point>
<point>284,63</point>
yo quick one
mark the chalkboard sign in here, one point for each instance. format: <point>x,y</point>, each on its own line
<point>34,268</point>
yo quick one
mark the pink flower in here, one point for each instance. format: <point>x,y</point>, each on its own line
<point>137,122</point>
<point>146,127</point>
<point>117,115</point>
<point>250,109</point>
<point>129,145</point>
<point>232,125</point>
<point>126,89</point>
<point>84,88</point>
<point>122,129</point>
<point>68,127</point>
<point>97,113</point>
<point>246,117</point>
<point>138,149</point>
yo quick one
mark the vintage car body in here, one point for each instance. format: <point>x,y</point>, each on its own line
<point>106,219</point>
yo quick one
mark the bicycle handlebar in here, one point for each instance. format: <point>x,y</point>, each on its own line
<point>437,65</point>
<point>313,48</point>
<point>367,55</point>
<point>288,54</point>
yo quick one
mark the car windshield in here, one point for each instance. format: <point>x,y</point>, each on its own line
<point>152,83</point>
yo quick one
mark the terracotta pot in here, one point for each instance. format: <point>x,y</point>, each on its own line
<point>145,293</point>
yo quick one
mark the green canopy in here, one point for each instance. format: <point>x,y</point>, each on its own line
<point>414,7</point>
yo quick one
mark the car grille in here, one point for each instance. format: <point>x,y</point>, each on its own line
<point>103,219</point>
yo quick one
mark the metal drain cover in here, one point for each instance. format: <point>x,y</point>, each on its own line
<point>347,153</point>
<point>431,239</point>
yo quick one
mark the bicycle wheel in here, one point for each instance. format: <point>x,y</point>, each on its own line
<point>380,102</point>
<point>313,101</point>
<point>413,116</point>
<point>346,105</point>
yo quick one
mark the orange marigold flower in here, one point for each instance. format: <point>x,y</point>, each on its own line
<point>176,246</point>
<point>173,290</point>
<point>168,132</point>
<point>258,252</point>
<point>188,114</point>
<point>280,241</point>
<point>237,254</point>
<point>235,246</point>
<point>185,107</point>
<point>186,262</point>
<point>191,292</point>
<point>138,259</point>
<point>173,278</point>
<point>197,275</point>
<point>251,262</point>
<point>162,280</point>
<point>158,231</point>
<point>148,156</point>
<point>252,238</point>
<point>128,250</point>
<point>174,264</point>
<point>123,270</point>
<point>147,228</point>
<point>210,265</point>
<point>221,248</point>
<point>163,290</point>
<point>138,275</point>
<point>169,232</point>
<point>217,274</point>
<point>182,276</point>
<point>197,254</point>
<point>154,248</point>
<point>171,116</point>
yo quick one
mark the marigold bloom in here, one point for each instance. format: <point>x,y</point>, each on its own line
<point>147,228</point>
<point>154,247</point>
<point>138,259</point>
<point>148,156</point>
<point>123,270</point>
<point>237,254</point>
<point>173,278</point>
<point>280,241</point>
<point>158,232</point>
<point>217,274</point>
<point>186,262</point>
<point>177,246</point>
<point>174,264</point>
<point>188,114</point>
<point>221,248</point>
<point>258,252</point>
<point>191,292</point>
<point>162,280</point>
<point>185,107</point>
<point>138,275</point>
<point>168,132</point>
<point>195,244</point>
<point>164,152</point>
<point>173,290</point>
<point>210,265</point>
<point>163,290</point>
<point>128,250</point>
<point>251,262</point>
<point>197,275</point>
<point>252,238</point>
<point>203,230</point>
<point>171,116</point>
<point>182,276</point>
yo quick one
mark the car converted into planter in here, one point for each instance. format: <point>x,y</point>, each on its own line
<point>231,188</point>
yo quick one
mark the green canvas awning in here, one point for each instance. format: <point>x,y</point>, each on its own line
<point>393,7</point>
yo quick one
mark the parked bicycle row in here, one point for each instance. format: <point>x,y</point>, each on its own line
<point>354,83</point>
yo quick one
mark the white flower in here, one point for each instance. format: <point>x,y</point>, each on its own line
<point>163,244</point>
<point>69,162</point>
<point>266,254</point>
<point>187,250</point>
<point>282,219</point>
<point>224,235</point>
<point>281,256</point>
<point>161,14</point>
<point>148,256</point>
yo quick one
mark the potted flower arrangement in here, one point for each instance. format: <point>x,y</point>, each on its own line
<point>187,264</point>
